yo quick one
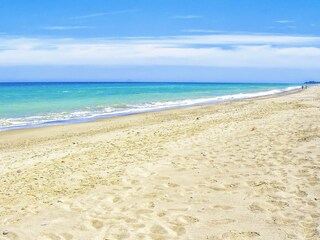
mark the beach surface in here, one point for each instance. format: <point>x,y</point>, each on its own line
<point>239,170</point>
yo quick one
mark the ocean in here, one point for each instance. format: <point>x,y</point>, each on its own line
<point>26,105</point>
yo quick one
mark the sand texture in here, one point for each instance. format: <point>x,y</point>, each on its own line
<point>241,170</point>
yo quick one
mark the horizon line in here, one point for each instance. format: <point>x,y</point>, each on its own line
<point>134,81</point>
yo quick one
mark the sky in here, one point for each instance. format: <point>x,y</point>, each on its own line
<point>162,40</point>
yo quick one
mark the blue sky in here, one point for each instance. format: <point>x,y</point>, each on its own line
<point>230,40</point>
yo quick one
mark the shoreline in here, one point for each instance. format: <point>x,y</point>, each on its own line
<point>236,170</point>
<point>99,118</point>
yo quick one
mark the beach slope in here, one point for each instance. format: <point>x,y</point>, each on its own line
<point>240,170</point>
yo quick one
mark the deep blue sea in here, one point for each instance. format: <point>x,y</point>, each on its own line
<point>24,105</point>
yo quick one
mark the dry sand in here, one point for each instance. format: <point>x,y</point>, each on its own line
<point>240,170</point>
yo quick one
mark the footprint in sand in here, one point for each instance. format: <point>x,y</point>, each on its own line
<point>256,208</point>
<point>232,235</point>
<point>187,219</point>
<point>138,225</point>
<point>279,204</point>
<point>143,212</point>
<point>163,178</point>
<point>173,185</point>
<point>129,220</point>
<point>224,207</point>
<point>113,199</point>
<point>179,230</point>
<point>162,214</point>
<point>281,221</point>
<point>181,169</point>
<point>213,238</point>
<point>97,224</point>
<point>158,229</point>
<point>52,236</point>
<point>221,221</point>
<point>117,232</point>
<point>232,185</point>
<point>83,228</point>
<point>67,236</point>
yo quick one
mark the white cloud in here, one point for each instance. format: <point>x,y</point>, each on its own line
<point>200,31</point>
<point>284,21</point>
<point>232,39</point>
<point>100,14</point>
<point>258,51</point>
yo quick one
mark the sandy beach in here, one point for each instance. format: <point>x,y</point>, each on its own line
<point>240,170</point>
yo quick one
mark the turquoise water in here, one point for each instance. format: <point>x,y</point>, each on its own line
<point>37,104</point>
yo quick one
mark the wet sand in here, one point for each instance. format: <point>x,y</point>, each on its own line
<point>239,170</point>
